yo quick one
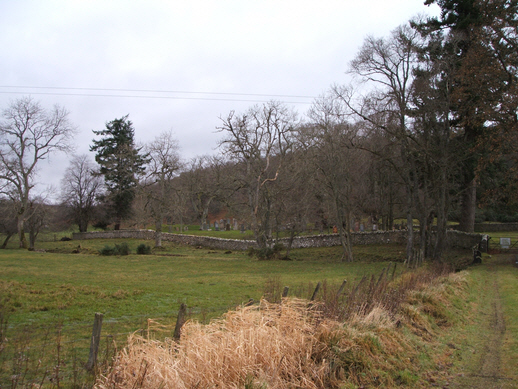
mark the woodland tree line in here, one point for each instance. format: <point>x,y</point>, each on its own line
<point>426,130</point>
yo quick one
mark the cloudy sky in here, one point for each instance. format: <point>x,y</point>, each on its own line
<point>180,64</point>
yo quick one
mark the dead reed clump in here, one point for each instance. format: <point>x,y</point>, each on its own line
<point>269,345</point>
<point>378,317</point>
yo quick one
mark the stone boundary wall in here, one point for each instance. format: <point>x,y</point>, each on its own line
<point>455,239</point>
<point>462,240</point>
<point>496,227</point>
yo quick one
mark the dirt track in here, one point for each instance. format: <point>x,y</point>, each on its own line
<point>486,372</point>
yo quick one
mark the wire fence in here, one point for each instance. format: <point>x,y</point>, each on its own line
<point>56,354</point>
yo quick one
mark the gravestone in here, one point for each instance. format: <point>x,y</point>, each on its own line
<point>216,225</point>
<point>227,227</point>
<point>484,243</point>
<point>505,243</point>
<point>362,227</point>
<point>242,228</point>
<point>236,227</point>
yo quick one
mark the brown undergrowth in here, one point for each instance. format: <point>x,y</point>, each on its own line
<point>369,337</point>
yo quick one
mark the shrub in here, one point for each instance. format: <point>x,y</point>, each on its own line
<point>143,249</point>
<point>266,252</point>
<point>107,250</point>
<point>119,249</point>
<point>122,249</point>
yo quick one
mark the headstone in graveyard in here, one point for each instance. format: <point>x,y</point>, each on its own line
<point>484,243</point>
<point>362,227</point>
<point>242,228</point>
<point>227,227</point>
<point>505,243</point>
<point>216,225</point>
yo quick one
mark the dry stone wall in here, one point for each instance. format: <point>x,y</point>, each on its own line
<point>496,227</point>
<point>455,239</point>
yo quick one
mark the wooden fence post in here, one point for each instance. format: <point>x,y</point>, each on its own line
<point>341,289</point>
<point>180,321</point>
<point>285,291</point>
<point>94,342</point>
<point>316,291</point>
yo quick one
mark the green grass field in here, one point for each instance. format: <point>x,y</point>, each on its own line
<point>49,299</point>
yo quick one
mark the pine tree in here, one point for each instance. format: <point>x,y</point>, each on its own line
<point>120,163</point>
<point>480,39</point>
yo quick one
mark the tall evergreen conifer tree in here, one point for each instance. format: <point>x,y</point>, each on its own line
<point>120,163</point>
<point>481,42</point>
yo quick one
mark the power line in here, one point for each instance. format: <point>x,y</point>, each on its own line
<point>155,91</point>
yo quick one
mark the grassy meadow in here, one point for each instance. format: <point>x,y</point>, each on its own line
<point>49,298</point>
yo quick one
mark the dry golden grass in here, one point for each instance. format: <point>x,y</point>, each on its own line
<point>287,345</point>
<point>268,344</point>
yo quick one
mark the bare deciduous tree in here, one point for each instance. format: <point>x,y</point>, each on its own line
<point>338,164</point>
<point>204,183</point>
<point>80,189</point>
<point>388,64</point>
<point>29,134</point>
<point>164,165</point>
<point>259,140</point>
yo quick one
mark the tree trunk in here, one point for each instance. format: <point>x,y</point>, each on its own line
<point>442,219</point>
<point>290,241</point>
<point>158,232</point>
<point>117,225</point>
<point>4,245</point>
<point>32,238</point>
<point>410,236</point>
<point>468,207</point>
<point>345,236</point>
<point>83,225</point>
<point>21,230</point>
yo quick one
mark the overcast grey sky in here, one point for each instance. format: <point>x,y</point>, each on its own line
<point>180,65</point>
